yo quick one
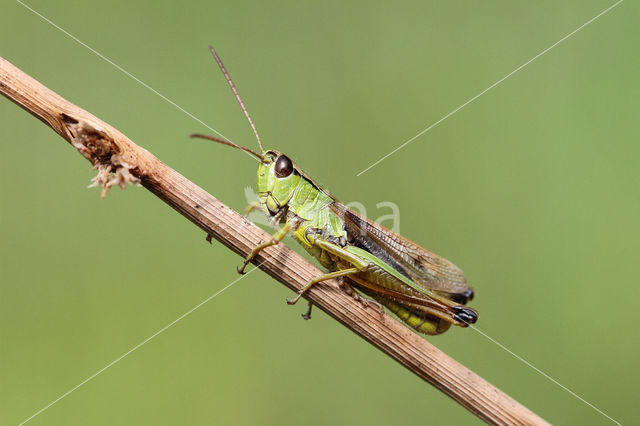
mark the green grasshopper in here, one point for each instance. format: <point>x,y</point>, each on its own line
<point>424,290</point>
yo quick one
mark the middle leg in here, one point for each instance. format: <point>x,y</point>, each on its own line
<point>321,278</point>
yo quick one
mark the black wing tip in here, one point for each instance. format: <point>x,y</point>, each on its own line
<point>465,315</point>
<point>464,297</point>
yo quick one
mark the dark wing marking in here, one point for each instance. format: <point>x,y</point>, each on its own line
<point>410,259</point>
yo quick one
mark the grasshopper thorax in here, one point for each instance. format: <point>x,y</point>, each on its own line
<point>278,179</point>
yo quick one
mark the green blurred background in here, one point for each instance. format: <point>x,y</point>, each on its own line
<point>533,189</point>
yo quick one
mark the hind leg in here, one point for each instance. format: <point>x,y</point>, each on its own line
<point>365,301</point>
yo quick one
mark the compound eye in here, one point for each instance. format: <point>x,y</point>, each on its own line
<point>283,167</point>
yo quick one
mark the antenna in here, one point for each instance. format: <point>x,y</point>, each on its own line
<point>229,143</point>
<point>235,92</point>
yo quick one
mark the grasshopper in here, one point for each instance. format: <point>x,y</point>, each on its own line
<point>422,289</point>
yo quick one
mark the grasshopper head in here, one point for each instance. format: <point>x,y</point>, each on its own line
<point>278,176</point>
<point>277,180</point>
